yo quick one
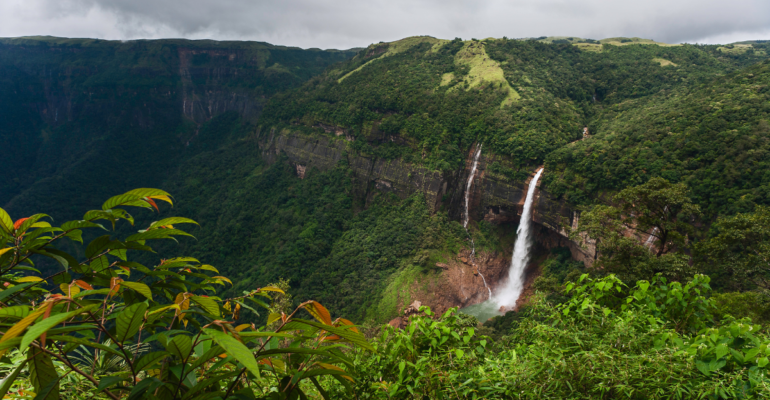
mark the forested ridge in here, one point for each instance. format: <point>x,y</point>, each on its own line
<point>278,279</point>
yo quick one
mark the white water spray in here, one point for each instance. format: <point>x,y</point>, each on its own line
<point>651,239</point>
<point>466,216</point>
<point>510,293</point>
<point>469,183</point>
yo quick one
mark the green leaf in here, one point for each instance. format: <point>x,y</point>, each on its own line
<point>76,235</point>
<point>43,326</point>
<point>171,221</point>
<point>761,362</point>
<point>64,258</point>
<point>50,391</point>
<point>33,222</point>
<point>301,350</point>
<point>208,304</point>
<point>721,351</point>
<point>703,367</point>
<point>348,334</point>
<point>6,223</point>
<point>200,386</point>
<point>8,381</point>
<point>42,372</point>
<point>97,245</point>
<point>737,355</point>
<point>149,359</point>
<point>324,371</point>
<point>140,288</point>
<point>157,234</point>
<point>108,381</point>
<point>86,342</point>
<point>71,225</point>
<point>138,391</point>
<point>130,197</point>
<point>14,312</point>
<point>180,346</point>
<point>235,349</point>
<point>129,321</point>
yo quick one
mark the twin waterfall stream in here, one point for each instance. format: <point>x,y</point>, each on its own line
<point>507,295</point>
<point>466,218</point>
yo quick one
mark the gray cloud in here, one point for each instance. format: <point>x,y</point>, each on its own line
<point>354,23</point>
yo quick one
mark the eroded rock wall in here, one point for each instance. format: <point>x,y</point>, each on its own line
<point>372,174</point>
<point>493,197</point>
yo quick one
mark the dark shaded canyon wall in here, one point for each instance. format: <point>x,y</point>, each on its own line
<point>84,119</point>
<point>493,198</point>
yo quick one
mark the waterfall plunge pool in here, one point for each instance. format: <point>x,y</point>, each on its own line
<point>483,311</point>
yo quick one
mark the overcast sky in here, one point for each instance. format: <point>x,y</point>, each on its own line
<point>358,23</point>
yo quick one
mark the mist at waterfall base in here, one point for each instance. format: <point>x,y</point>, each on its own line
<point>506,296</point>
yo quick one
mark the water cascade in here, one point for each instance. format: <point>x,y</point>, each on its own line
<point>466,217</point>
<point>651,239</point>
<point>469,183</point>
<point>508,295</point>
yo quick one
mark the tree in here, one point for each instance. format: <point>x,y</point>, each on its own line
<point>657,210</point>
<point>740,249</point>
<point>150,332</point>
<point>661,208</point>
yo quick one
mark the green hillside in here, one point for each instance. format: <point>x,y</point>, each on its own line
<point>523,98</point>
<point>712,136</point>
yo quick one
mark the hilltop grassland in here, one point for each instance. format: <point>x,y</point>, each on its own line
<point>484,72</point>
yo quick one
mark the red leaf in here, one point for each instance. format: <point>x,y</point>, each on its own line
<point>18,223</point>
<point>152,203</point>
<point>83,285</point>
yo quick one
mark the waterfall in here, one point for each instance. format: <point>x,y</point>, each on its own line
<point>468,185</point>
<point>466,216</point>
<point>651,238</point>
<point>510,293</point>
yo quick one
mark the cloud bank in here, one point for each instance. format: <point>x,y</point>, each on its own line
<point>357,23</point>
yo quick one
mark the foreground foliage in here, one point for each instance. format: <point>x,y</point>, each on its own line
<point>655,340</point>
<point>112,327</point>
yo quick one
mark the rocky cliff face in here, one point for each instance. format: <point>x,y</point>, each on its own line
<point>493,198</point>
<point>207,90</point>
<point>372,175</point>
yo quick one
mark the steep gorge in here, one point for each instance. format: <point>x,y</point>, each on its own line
<point>493,199</point>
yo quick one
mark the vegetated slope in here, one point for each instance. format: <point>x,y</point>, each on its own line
<point>428,100</point>
<point>416,99</point>
<point>79,111</point>
<point>260,223</point>
<point>712,135</point>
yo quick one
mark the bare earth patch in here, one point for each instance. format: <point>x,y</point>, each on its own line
<point>663,62</point>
